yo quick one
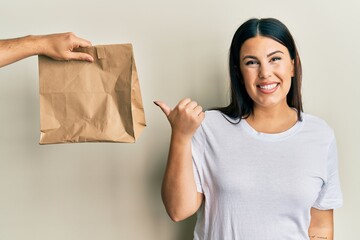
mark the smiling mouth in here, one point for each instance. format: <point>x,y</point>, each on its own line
<point>268,86</point>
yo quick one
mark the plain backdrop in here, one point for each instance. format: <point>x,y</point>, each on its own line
<point>112,191</point>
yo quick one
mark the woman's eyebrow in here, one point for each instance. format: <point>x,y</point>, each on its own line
<point>270,54</point>
<point>277,51</point>
<point>249,56</point>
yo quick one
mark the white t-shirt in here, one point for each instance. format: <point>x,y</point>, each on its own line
<point>260,186</point>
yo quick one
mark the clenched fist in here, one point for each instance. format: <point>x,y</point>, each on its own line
<point>185,118</point>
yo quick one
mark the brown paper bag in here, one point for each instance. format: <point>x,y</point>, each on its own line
<point>91,102</point>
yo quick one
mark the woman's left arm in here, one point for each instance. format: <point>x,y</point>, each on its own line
<point>321,224</point>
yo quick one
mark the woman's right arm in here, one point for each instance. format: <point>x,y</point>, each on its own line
<point>179,193</point>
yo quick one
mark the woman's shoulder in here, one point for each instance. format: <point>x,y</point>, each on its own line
<point>315,123</point>
<point>213,113</point>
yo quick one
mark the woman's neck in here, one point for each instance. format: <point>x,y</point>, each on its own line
<point>272,119</point>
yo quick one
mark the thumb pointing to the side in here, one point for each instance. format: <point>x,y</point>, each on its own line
<point>165,108</point>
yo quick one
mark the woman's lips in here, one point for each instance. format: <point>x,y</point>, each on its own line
<point>268,88</point>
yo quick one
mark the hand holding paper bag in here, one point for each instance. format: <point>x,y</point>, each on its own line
<point>91,102</point>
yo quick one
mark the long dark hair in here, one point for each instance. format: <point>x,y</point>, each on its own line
<point>241,105</point>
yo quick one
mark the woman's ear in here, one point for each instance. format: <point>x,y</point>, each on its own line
<point>292,68</point>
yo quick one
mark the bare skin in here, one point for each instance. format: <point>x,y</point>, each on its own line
<point>57,46</point>
<point>321,225</point>
<point>179,192</point>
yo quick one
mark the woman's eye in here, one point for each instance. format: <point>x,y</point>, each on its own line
<point>274,59</point>
<point>251,62</point>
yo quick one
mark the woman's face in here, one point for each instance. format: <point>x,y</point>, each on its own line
<point>267,68</point>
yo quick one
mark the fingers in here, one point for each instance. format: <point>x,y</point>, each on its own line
<point>60,46</point>
<point>183,103</point>
<point>165,108</point>
<point>194,107</point>
<point>80,56</point>
<point>73,40</point>
<point>198,110</point>
<point>186,104</point>
<point>185,118</point>
<point>82,42</point>
<point>76,42</point>
<point>191,105</point>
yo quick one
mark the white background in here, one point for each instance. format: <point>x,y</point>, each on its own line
<point>112,191</point>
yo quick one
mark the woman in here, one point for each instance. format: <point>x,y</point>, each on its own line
<point>259,168</point>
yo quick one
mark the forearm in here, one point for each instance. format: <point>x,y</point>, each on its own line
<point>179,191</point>
<point>318,233</point>
<point>12,50</point>
<point>58,46</point>
<point>321,224</point>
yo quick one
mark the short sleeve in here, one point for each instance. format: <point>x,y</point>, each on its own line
<point>197,149</point>
<point>330,196</point>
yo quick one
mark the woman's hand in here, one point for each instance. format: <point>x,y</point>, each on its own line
<point>185,118</point>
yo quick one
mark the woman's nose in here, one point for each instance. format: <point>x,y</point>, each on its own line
<point>264,71</point>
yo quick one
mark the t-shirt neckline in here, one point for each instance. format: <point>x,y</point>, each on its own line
<point>272,137</point>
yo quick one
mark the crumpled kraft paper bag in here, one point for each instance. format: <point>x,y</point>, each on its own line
<point>91,102</point>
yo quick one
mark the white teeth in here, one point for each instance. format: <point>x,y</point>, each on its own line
<point>268,87</point>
